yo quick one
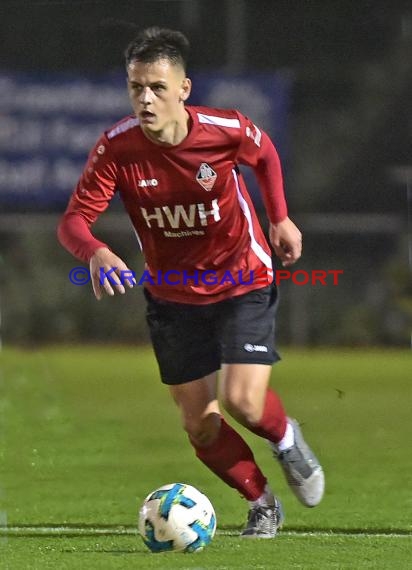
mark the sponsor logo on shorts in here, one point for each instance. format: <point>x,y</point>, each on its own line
<point>255,347</point>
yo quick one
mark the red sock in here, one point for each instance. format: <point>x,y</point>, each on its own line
<point>231,459</point>
<point>272,425</point>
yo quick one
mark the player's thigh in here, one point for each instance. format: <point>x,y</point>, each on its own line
<point>243,390</point>
<point>247,328</point>
<point>183,339</point>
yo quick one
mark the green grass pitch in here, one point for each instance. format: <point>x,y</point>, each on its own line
<point>87,433</point>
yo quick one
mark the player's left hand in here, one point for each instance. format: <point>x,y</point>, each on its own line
<point>286,240</point>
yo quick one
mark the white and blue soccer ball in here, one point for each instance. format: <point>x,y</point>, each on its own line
<point>177,517</point>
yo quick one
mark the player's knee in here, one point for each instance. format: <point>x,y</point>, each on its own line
<point>243,408</point>
<point>204,431</point>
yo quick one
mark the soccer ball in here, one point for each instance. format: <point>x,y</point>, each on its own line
<point>177,517</point>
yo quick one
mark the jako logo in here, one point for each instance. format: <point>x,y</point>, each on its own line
<point>255,347</point>
<point>181,216</point>
<point>150,182</point>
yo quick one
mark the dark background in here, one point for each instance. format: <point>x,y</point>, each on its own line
<point>351,63</point>
<point>349,133</point>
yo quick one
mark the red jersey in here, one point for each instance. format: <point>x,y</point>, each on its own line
<point>188,204</point>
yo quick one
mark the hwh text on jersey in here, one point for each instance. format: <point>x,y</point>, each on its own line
<point>180,216</point>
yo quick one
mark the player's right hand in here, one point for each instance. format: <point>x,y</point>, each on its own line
<point>106,270</point>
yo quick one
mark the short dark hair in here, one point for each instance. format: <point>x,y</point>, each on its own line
<point>157,43</point>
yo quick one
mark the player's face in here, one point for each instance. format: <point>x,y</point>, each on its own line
<point>157,91</point>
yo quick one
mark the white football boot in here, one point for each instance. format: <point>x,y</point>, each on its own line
<point>264,521</point>
<point>302,470</point>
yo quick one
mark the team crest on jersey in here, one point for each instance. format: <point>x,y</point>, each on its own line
<point>206,176</point>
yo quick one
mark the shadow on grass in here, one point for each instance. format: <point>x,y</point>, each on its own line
<point>68,530</point>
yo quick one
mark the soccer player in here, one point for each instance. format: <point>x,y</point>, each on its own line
<point>176,168</point>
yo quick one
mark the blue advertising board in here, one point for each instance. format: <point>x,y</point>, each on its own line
<point>49,123</point>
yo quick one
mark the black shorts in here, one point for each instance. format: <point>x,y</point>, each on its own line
<point>191,341</point>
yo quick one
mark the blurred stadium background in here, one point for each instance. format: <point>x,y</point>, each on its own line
<point>330,81</point>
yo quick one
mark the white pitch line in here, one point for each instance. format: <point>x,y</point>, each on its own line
<point>329,534</point>
<point>26,531</point>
